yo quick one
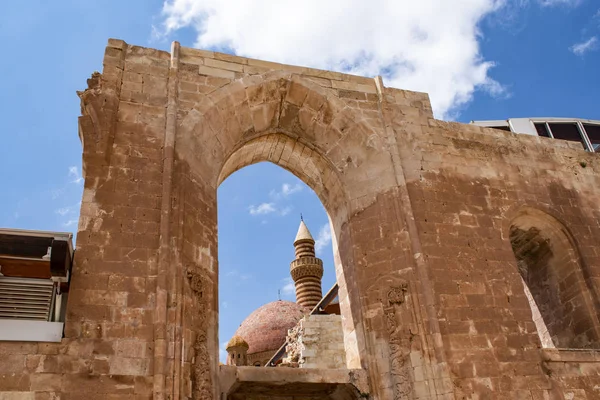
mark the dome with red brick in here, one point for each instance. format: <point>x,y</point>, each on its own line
<point>266,328</point>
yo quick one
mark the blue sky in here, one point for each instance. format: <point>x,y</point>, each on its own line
<point>479,59</point>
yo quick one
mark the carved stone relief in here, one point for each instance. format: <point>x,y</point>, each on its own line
<point>400,338</point>
<point>392,294</point>
<point>201,376</point>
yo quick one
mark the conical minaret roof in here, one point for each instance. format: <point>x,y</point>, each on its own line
<point>303,233</point>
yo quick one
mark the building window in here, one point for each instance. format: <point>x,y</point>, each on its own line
<point>502,128</point>
<point>542,129</point>
<point>29,299</point>
<point>593,134</point>
<point>34,281</point>
<point>567,131</point>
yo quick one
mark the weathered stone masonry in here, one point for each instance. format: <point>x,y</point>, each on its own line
<point>422,212</point>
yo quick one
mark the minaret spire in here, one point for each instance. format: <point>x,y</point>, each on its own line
<point>306,269</point>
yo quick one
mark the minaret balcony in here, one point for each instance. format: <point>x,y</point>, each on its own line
<point>306,261</point>
<point>312,270</point>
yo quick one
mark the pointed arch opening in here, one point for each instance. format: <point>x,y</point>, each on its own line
<point>554,281</point>
<point>298,158</point>
<point>313,170</point>
<point>309,131</point>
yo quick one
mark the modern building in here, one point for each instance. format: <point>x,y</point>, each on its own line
<point>584,131</point>
<point>35,268</point>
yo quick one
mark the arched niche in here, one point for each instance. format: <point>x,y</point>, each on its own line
<point>554,281</point>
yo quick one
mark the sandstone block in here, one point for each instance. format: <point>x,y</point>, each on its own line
<point>215,72</point>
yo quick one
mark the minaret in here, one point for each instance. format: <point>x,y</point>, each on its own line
<point>306,269</point>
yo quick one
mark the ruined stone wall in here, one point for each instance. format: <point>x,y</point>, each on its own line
<point>317,342</point>
<point>430,292</point>
<point>111,328</point>
<point>323,342</point>
<point>574,372</point>
<point>467,185</point>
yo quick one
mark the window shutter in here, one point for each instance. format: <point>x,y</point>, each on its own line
<point>26,298</point>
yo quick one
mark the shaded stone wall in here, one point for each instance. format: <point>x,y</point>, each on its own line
<point>431,296</point>
<point>467,185</point>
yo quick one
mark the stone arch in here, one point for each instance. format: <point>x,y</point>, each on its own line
<point>554,280</point>
<point>296,157</point>
<point>282,102</point>
<point>329,143</point>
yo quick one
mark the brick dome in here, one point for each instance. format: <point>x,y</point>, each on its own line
<point>266,328</point>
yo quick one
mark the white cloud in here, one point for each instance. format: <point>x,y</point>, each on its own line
<point>581,48</point>
<point>234,273</point>
<point>269,208</point>
<point>56,193</point>
<point>261,209</point>
<point>277,195</point>
<point>285,211</point>
<point>74,173</point>
<point>289,289</point>
<point>286,190</point>
<point>70,222</point>
<point>223,352</point>
<point>63,211</point>
<point>68,209</point>
<point>552,3</point>
<point>323,239</point>
<point>69,212</point>
<point>428,45</point>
